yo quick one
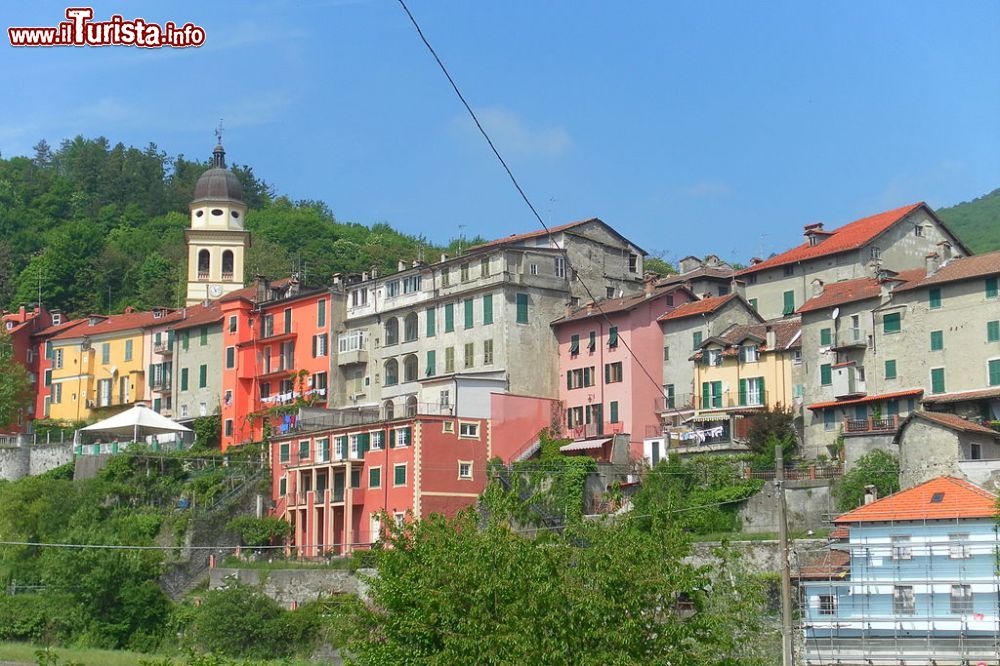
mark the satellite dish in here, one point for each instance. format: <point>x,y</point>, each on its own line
<point>835,313</point>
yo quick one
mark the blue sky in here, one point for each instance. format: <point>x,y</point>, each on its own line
<point>692,128</point>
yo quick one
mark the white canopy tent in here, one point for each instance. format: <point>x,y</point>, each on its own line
<point>139,421</point>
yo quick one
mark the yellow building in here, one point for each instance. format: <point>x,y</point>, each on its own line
<point>99,364</point>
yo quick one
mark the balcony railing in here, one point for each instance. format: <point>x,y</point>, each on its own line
<point>227,276</point>
<point>202,275</point>
<point>161,385</point>
<point>163,347</point>
<point>850,337</point>
<point>882,425</point>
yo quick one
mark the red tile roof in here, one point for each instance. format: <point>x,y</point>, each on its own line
<point>956,498</point>
<point>848,237</point>
<point>58,328</point>
<point>616,305</point>
<point>785,332</point>
<point>116,323</point>
<point>911,393</point>
<point>955,422</point>
<point>704,306</point>
<point>250,293</point>
<point>831,563</point>
<point>197,315</point>
<point>515,238</point>
<point>963,396</point>
<point>851,291</point>
<point>705,272</point>
<point>960,268</point>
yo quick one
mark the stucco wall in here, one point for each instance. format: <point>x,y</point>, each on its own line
<point>188,404</point>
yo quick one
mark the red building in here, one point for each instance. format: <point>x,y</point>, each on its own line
<point>20,326</point>
<point>276,352</point>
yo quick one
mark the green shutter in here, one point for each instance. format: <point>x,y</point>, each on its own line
<point>762,390</point>
<point>204,335</point>
<point>993,331</point>
<point>696,340</point>
<point>825,337</point>
<point>399,475</point>
<point>392,438</point>
<point>470,313</point>
<point>607,373</point>
<point>891,323</point>
<point>613,337</point>
<point>937,380</point>
<point>937,340</point>
<point>431,358</point>
<point>48,378</point>
<point>614,411</point>
<point>992,287</point>
<point>789,302</point>
<point>743,392</point>
<point>284,453</point>
<point>995,372</point>
<point>374,477</point>
<point>890,369</point>
<point>184,379</point>
<point>825,374</point>
<point>203,376</point>
<point>449,317</point>
<point>574,344</point>
<point>185,340</point>
<point>149,377</point>
<point>488,309</point>
<point>934,297</point>
<point>717,394</point>
<point>569,379</point>
<point>753,304</point>
<point>170,340</point>
<point>705,395</point>
<point>522,308</point>
<point>156,405</point>
<point>431,316</point>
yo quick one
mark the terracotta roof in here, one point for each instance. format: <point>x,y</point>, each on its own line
<point>515,238</point>
<point>116,323</point>
<point>911,393</point>
<point>851,291</point>
<point>963,396</point>
<point>615,305</point>
<point>840,532</point>
<point>197,315</point>
<point>943,498</point>
<point>955,422</point>
<point>58,328</point>
<point>703,272</point>
<point>960,268</point>
<point>848,237</point>
<point>704,306</point>
<point>831,563</point>
<point>250,293</point>
<point>785,333</point>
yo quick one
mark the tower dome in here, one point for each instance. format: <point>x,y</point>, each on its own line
<point>218,183</point>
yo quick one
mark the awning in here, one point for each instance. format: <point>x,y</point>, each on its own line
<point>585,444</point>
<point>912,393</point>
<point>963,396</point>
<point>137,422</point>
<point>715,416</point>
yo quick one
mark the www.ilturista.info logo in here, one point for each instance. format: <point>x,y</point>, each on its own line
<point>81,30</point>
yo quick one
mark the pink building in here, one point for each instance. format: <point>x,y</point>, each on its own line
<point>611,365</point>
<point>20,326</point>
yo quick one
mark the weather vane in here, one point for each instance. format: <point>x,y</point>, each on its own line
<point>218,132</point>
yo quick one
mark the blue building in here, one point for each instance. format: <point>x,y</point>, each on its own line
<point>911,580</point>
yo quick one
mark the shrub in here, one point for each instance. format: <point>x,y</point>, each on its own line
<point>255,532</point>
<point>878,468</point>
<point>240,622</point>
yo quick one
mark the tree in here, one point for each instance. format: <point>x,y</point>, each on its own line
<point>450,593</point>
<point>878,468</point>
<point>255,532</point>
<point>15,386</point>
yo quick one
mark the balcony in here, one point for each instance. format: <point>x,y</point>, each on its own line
<point>268,334</point>
<point>227,276</point>
<point>888,425</point>
<point>202,275</point>
<point>847,382</point>
<point>351,349</point>
<point>850,337</point>
<point>164,347</point>
<point>160,385</point>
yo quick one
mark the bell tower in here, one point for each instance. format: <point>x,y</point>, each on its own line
<point>217,242</point>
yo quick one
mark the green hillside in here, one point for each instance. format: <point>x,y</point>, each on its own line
<point>93,227</point>
<point>976,222</point>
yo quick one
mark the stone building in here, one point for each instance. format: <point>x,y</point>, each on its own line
<point>195,348</point>
<point>897,239</point>
<point>706,278</point>
<point>932,444</point>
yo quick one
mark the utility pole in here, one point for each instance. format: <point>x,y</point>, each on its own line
<point>787,658</point>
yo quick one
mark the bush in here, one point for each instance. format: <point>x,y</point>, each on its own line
<point>255,532</point>
<point>41,619</point>
<point>878,468</point>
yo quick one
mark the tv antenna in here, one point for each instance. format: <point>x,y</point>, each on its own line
<point>218,132</point>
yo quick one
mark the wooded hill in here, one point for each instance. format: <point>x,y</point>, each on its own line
<point>976,222</point>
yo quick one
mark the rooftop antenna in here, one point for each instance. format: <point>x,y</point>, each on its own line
<point>461,237</point>
<point>218,132</point>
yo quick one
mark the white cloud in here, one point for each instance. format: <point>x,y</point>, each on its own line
<point>513,136</point>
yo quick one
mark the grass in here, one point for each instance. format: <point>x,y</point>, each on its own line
<point>24,653</point>
<point>757,536</point>
<point>341,563</point>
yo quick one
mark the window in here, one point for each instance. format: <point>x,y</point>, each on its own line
<point>592,341</point>
<point>749,353</point>
<point>229,428</point>
<point>487,352</point>
<point>410,371</point>
<point>470,430</point>
<point>185,340</point>
<point>937,380</point>
<point>670,396</point>
<point>574,345</point>
<point>901,549</point>
<point>993,331</point>
<point>399,475</point>
<point>391,372</point>
<point>48,378</point>
<point>391,331</point>
<point>449,317</point>
<point>377,440</point>
<point>937,340</point>
<point>666,352</point>
<point>410,325</point>
<point>613,409</point>
<point>202,376</point>
<point>696,340</point>
<point>975,451</point>
<point>825,375</point>
<point>560,269</point>
<point>445,277</point>
<point>753,304</point>
<point>992,287</point>
<point>487,309</point>
<point>789,302</point>
<point>610,292</point>
<point>827,604</point>
<point>359,297</point>
<point>829,419</point>
<point>612,372</point>
<point>319,345</point>
<point>934,298</point>
<point>321,313</point>
<point>106,353</point>
<point>392,289</point>
<point>449,360</point>
<point>890,369</point>
<point>430,320</point>
<point>230,357</point>
<point>961,599</point>
<point>484,267</point>
<point>375,477</point>
<point>470,313</point>
<point>303,449</point>
<point>319,383</point>
<point>56,394</point>
<point>283,486</point>
<point>470,354</point>
<point>128,350</point>
<point>633,262</point>
<point>993,370</point>
<point>430,363</point>
<point>918,230</point>
<point>463,271</point>
<point>752,391</point>
<point>533,269</point>
<point>891,323</point>
<point>958,548</point>
<point>57,361</point>
<point>444,399</point>
<point>448,427</point>
<point>789,270</point>
<point>349,342</point>
<point>902,600</point>
<point>203,335</point>
<point>711,394</point>
<point>876,253</point>
<point>613,337</point>
<point>411,284</point>
<point>522,308</point>
<point>465,470</point>
<point>825,337</point>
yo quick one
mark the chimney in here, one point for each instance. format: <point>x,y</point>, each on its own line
<point>401,265</point>
<point>810,232</point>
<point>944,249</point>
<point>649,286</point>
<point>364,276</point>
<point>444,257</point>
<point>739,288</point>
<point>755,260</point>
<point>817,287</point>
<point>374,272</point>
<point>129,309</point>
<point>932,262</point>
<point>590,308</point>
<point>770,339</point>
<point>56,317</point>
<point>688,264</point>
<point>568,309</point>
<point>263,289</point>
<point>871,494</point>
<point>337,279</point>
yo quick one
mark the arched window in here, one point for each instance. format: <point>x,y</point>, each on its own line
<point>410,368</point>
<point>204,262</point>
<point>391,331</point>
<point>391,372</point>
<point>410,327</point>
<point>227,265</point>
<point>388,410</point>
<point>411,406</point>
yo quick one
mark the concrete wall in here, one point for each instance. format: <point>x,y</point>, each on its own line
<point>288,586</point>
<point>196,401</point>
<point>755,556</point>
<point>857,446</point>
<point>809,505</point>
<point>19,461</point>
<point>928,450</point>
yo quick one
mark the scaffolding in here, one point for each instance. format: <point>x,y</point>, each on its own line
<point>893,599</point>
